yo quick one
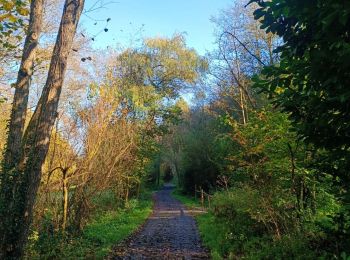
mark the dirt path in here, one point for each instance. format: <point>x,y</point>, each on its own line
<point>170,233</point>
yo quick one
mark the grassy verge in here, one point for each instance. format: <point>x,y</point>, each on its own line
<point>232,238</point>
<point>212,235</point>
<point>110,228</point>
<point>105,229</point>
<point>190,202</point>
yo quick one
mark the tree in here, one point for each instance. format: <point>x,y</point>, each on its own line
<point>4,116</point>
<point>20,101</point>
<point>242,50</point>
<point>173,142</point>
<point>149,79</point>
<point>12,15</point>
<point>171,66</point>
<point>118,128</point>
<point>21,174</point>
<point>312,80</point>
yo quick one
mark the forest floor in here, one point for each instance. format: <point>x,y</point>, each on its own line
<point>169,233</point>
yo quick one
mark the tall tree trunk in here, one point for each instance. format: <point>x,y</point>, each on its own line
<point>64,198</point>
<point>13,150</point>
<point>20,100</point>
<point>36,139</point>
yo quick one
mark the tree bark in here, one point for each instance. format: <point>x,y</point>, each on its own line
<point>64,198</point>
<point>13,150</point>
<point>36,140</point>
<point>20,99</point>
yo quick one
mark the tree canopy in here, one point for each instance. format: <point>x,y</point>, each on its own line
<point>311,80</point>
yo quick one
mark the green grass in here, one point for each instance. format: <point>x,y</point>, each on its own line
<point>106,228</point>
<point>112,227</point>
<point>212,235</point>
<point>230,241</point>
<point>190,202</point>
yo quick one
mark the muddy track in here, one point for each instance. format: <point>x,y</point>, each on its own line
<point>169,233</point>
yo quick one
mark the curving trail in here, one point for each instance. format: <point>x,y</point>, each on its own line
<point>170,233</point>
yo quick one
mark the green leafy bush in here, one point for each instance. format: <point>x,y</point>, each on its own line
<point>271,207</point>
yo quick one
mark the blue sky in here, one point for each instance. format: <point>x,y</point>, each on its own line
<point>156,18</point>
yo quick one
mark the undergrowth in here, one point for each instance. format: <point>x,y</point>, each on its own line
<point>105,229</point>
<point>236,238</point>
